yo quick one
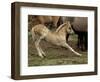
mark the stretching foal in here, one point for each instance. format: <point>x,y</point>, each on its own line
<point>57,37</point>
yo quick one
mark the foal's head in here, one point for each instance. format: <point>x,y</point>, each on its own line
<point>65,28</point>
<point>68,27</point>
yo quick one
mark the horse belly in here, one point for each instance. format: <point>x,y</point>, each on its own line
<point>54,39</point>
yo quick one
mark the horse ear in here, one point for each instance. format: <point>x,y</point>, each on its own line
<point>68,22</point>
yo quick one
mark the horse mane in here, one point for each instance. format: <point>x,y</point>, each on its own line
<point>59,28</point>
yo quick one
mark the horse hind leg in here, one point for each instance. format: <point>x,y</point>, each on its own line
<point>41,48</point>
<point>40,51</point>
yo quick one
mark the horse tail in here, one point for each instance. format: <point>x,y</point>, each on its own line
<point>33,34</point>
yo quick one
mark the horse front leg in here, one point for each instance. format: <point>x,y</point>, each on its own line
<point>71,49</point>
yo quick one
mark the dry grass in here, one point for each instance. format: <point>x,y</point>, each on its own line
<point>55,55</point>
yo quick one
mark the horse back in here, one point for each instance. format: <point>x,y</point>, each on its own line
<point>40,29</point>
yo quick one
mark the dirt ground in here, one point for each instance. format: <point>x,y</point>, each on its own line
<point>55,55</point>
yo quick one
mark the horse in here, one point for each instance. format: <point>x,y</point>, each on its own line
<point>80,27</point>
<point>49,21</point>
<point>55,20</point>
<point>57,37</point>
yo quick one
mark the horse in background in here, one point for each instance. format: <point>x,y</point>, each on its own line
<point>49,21</point>
<point>80,27</point>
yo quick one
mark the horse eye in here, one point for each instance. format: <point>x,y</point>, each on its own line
<point>70,28</point>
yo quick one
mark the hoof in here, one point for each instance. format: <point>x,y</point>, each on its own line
<point>41,56</point>
<point>79,54</point>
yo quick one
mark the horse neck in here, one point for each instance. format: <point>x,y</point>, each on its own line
<point>61,29</point>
